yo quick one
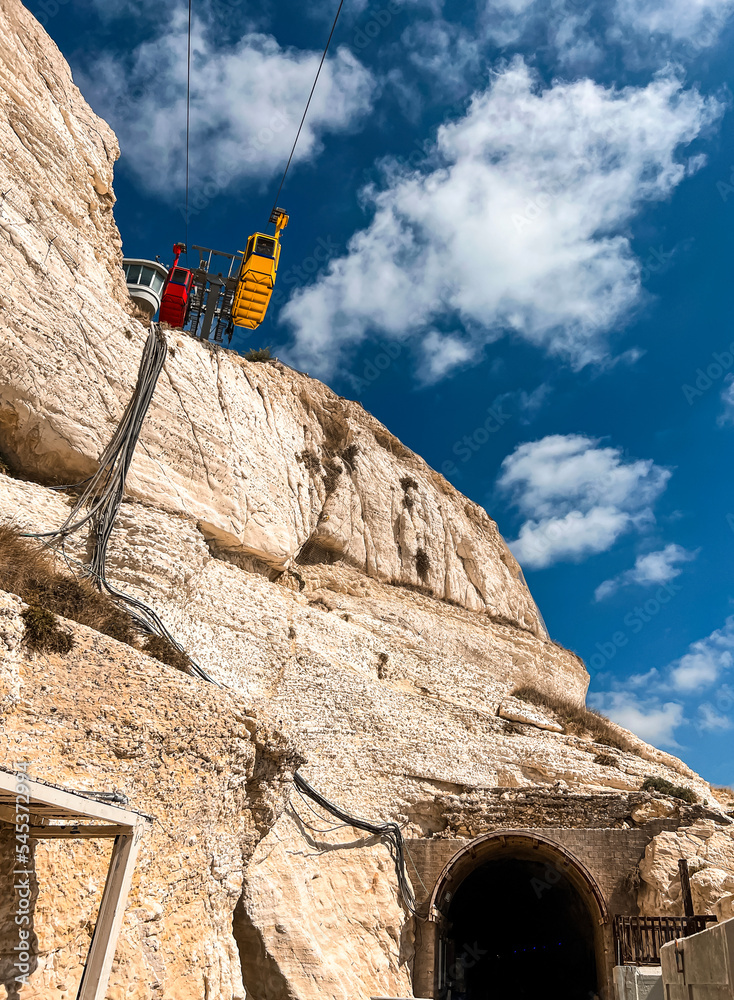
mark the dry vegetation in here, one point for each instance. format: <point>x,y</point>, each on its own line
<point>725,795</point>
<point>28,570</point>
<point>331,477</point>
<point>577,720</point>
<point>311,460</point>
<point>666,787</point>
<point>408,483</point>
<point>581,721</point>
<point>422,564</point>
<point>161,649</point>
<point>259,354</point>
<point>42,632</point>
<point>349,456</point>
<point>606,760</point>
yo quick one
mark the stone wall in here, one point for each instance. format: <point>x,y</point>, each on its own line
<point>612,857</point>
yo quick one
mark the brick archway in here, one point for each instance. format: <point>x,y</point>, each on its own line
<point>549,861</point>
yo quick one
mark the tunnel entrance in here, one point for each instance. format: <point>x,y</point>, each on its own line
<point>516,914</point>
<point>519,929</point>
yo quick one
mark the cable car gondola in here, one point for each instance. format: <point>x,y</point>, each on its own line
<point>257,274</point>
<point>176,293</point>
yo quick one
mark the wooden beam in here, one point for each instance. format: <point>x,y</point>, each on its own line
<point>7,814</point>
<point>67,804</point>
<point>685,886</point>
<point>76,832</point>
<point>111,912</point>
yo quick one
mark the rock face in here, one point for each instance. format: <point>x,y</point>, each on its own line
<point>269,462</point>
<point>102,718</point>
<point>709,850</point>
<point>342,593</point>
<point>394,699</point>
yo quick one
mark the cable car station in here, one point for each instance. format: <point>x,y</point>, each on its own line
<point>224,291</point>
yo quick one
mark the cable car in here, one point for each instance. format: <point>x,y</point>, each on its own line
<point>257,275</point>
<point>175,300</point>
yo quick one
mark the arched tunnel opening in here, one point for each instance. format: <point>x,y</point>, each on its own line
<point>518,928</point>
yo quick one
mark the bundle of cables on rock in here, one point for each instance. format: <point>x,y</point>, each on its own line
<point>100,501</point>
<point>390,832</point>
<point>99,504</point>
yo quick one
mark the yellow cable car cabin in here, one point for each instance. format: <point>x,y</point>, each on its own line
<point>257,275</point>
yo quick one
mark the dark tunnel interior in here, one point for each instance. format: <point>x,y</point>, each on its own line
<point>519,929</point>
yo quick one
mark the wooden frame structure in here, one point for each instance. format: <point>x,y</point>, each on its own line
<point>639,940</point>
<point>84,818</point>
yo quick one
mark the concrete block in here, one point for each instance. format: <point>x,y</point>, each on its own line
<point>707,965</point>
<point>635,982</point>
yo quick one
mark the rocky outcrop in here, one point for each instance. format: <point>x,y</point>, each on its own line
<point>359,613</point>
<point>270,463</point>
<point>106,718</point>
<point>394,699</point>
<point>709,850</point>
<point>370,679</point>
<point>274,466</point>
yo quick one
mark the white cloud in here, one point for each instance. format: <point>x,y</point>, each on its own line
<point>638,702</point>
<point>727,398</point>
<point>574,34</point>
<point>445,52</point>
<point>519,225</point>
<point>577,496</point>
<point>569,538</point>
<point>653,568</point>
<point>697,21</point>
<point>247,100</point>
<point>442,353</point>
<point>650,28</point>
<point>710,721</point>
<point>706,660</point>
<point>651,721</point>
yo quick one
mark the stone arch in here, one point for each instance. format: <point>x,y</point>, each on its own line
<point>541,855</point>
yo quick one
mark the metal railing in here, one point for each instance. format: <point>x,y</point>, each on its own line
<point>638,940</point>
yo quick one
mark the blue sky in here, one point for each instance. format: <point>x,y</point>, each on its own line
<point>511,240</point>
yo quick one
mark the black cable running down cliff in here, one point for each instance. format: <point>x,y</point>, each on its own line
<point>100,501</point>
<point>103,495</point>
<point>389,831</point>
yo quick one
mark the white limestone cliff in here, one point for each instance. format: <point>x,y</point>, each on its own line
<point>258,456</point>
<point>344,594</point>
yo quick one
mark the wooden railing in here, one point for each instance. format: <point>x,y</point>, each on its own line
<point>638,940</point>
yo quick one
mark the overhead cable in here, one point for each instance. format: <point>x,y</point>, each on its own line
<point>308,105</point>
<point>188,122</point>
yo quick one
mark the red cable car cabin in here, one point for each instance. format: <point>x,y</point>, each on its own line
<point>175,300</point>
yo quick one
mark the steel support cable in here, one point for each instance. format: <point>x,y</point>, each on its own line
<point>116,457</point>
<point>308,105</point>
<point>188,124</point>
<point>100,501</point>
<point>391,832</point>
